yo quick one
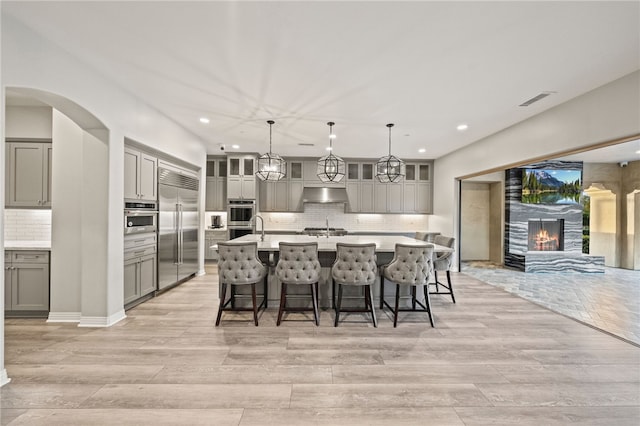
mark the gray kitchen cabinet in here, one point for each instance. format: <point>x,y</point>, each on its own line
<point>274,196</point>
<point>216,185</point>
<point>295,196</point>
<point>140,175</point>
<point>285,194</point>
<point>213,237</point>
<point>27,281</point>
<point>241,180</point>
<point>360,187</point>
<point>139,271</point>
<point>28,174</point>
<point>388,197</point>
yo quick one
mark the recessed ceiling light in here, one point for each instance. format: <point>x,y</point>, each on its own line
<point>204,120</point>
<point>462,127</point>
<point>332,136</point>
<point>328,148</point>
<point>235,146</point>
<point>422,150</point>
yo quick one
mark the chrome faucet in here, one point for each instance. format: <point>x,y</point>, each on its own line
<point>327,226</point>
<point>257,216</point>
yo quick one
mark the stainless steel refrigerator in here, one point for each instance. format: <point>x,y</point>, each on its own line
<point>177,227</point>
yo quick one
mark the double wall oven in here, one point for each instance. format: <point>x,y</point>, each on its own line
<point>239,214</point>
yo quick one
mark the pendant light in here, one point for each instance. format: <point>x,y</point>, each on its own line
<point>390,168</point>
<point>330,167</point>
<point>271,167</point>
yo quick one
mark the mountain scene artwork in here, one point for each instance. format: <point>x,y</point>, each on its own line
<point>546,186</point>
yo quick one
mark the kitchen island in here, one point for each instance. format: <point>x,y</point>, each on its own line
<point>268,251</point>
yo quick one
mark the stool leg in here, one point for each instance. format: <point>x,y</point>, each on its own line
<point>369,295</point>
<point>282,302</point>
<point>381,291</point>
<point>222,296</point>
<point>435,273</point>
<point>413,297</point>
<point>266,289</point>
<point>314,300</point>
<point>395,314</point>
<point>338,305</point>
<point>427,303</point>
<point>255,304</point>
<point>450,286</point>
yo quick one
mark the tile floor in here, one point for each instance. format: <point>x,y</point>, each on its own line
<point>493,358</point>
<point>609,301</point>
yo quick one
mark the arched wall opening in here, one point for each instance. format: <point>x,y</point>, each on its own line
<point>79,212</point>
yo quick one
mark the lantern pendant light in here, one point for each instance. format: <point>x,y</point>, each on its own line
<point>331,168</point>
<point>271,167</point>
<point>390,168</point>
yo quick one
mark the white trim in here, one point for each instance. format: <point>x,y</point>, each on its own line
<point>102,321</point>
<point>200,273</point>
<point>3,377</point>
<point>64,317</point>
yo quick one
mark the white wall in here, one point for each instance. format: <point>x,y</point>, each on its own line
<point>28,122</point>
<point>51,75</point>
<point>607,113</point>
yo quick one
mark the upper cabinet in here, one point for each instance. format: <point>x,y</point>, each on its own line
<point>216,189</point>
<point>140,175</point>
<point>241,180</point>
<point>285,194</point>
<point>28,174</point>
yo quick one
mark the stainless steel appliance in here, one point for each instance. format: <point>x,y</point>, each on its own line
<point>216,221</point>
<point>140,217</point>
<point>178,227</point>
<point>240,212</point>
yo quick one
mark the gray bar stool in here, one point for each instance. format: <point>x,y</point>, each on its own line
<point>298,265</point>
<point>355,265</point>
<point>239,265</point>
<point>442,262</point>
<point>411,266</point>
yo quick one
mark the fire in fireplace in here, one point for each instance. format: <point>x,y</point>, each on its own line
<point>546,235</point>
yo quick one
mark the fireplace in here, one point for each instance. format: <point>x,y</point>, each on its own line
<point>546,235</point>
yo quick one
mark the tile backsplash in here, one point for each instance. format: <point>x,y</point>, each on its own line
<point>27,225</point>
<point>315,215</point>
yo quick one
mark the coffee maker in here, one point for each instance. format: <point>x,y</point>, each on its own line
<point>216,221</point>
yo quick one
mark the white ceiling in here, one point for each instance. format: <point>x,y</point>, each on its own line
<point>425,66</point>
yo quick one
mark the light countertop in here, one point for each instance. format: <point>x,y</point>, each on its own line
<point>27,245</point>
<point>384,243</point>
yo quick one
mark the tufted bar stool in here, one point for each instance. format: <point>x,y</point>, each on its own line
<point>411,266</point>
<point>238,264</point>
<point>299,265</point>
<point>355,265</point>
<point>443,263</point>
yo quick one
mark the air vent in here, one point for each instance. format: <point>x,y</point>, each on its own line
<point>535,99</point>
<point>306,144</point>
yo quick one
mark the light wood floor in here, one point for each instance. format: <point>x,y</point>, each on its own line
<point>493,358</point>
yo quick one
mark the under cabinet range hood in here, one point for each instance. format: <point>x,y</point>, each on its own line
<point>325,195</point>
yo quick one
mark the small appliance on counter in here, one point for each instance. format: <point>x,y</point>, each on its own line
<point>216,221</point>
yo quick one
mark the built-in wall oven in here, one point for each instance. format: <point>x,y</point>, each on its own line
<point>140,217</point>
<point>239,214</point>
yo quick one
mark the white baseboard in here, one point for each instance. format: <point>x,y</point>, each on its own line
<point>200,273</point>
<point>86,321</point>
<point>3,377</point>
<point>64,317</point>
